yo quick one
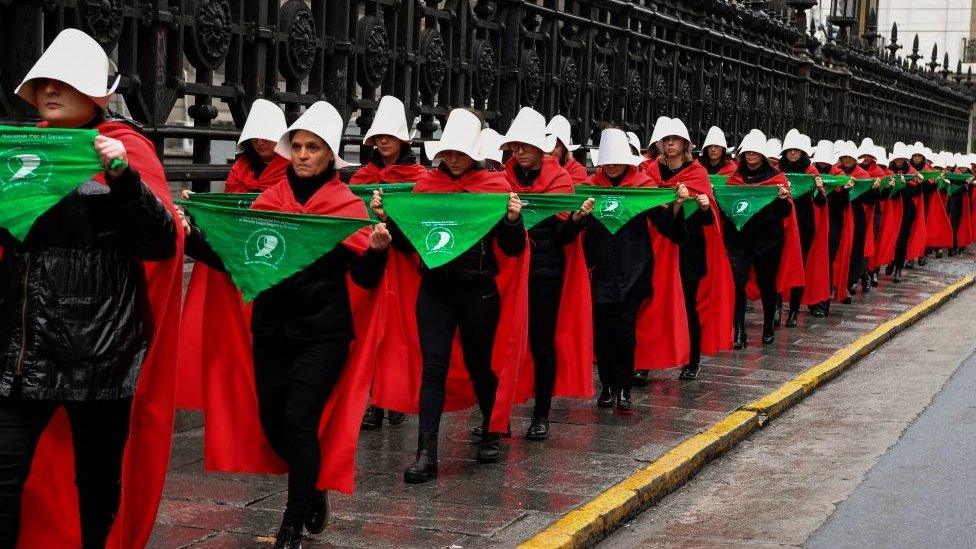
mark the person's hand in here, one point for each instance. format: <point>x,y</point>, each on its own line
<point>682,193</point>
<point>877,183</point>
<point>376,204</point>
<point>585,209</point>
<point>819,182</point>
<point>514,207</point>
<point>380,238</point>
<point>109,149</point>
<point>891,183</point>
<point>783,191</point>
<point>703,202</point>
<point>185,194</point>
<point>849,185</point>
<point>181,216</point>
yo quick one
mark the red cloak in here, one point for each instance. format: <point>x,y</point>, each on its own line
<point>574,325</point>
<point>396,385</point>
<point>816,264</point>
<point>662,323</point>
<point>892,213</point>
<point>938,227</point>
<point>49,508</point>
<point>715,303</point>
<point>234,440</point>
<point>577,172</point>
<point>842,261</point>
<point>964,232</point>
<point>791,272</point>
<point>241,178</point>
<point>920,229</point>
<point>370,173</point>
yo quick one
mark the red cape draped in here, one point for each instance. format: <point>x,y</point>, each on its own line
<point>791,271</point>
<point>874,170</point>
<point>574,325</point>
<point>234,440</point>
<point>964,232</point>
<point>396,385</point>
<point>842,261</point>
<point>715,301</point>
<point>49,508</point>
<point>397,173</point>
<point>662,323</point>
<point>938,227</point>
<point>577,172</point>
<point>892,212</point>
<point>241,178</point>
<point>816,264</point>
<point>920,229</point>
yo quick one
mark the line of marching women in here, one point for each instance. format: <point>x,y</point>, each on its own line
<point>646,263</point>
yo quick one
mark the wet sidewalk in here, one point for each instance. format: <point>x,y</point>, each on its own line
<point>500,505</point>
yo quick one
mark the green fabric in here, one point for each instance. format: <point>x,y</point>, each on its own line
<point>832,182</point>
<point>718,179</point>
<point>860,187</point>
<point>931,174</point>
<point>442,226</point>
<point>952,188</point>
<point>616,206</point>
<point>39,167</point>
<point>539,207</point>
<point>740,202</point>
<point>261,248</point>
<point>801,183</point>
<point>231,200</point>
<point>958,177</point>
<point>366,192</point>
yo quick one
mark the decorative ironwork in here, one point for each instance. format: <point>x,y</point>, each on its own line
<point>373,61</point>
<point>209,38</point>
<point>102,19</point>
<point>298,50</point>
<point>433,66</point>
<point>531,77</point>
<point>485,65</point>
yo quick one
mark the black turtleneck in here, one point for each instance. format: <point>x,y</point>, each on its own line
<point>304,187</point>
<point>667,173</point>
<point>902,170</point>
<point>713,169</point>
<point>616,181</point>
<point>764,172</point>
<point>526,177</point>
<point>918,167</point>
<point>254,160</point>
<point>405,158</point>
<point>800,166</point>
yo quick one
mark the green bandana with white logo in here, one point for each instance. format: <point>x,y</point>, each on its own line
<point>39,167</point>
<point>614,207</point>
<point>740,202</point>
<point>536,208</point>
<point>366,192</point>
<point>261,248</point>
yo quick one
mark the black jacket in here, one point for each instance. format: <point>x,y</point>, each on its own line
<point>75,319</point>
<point>763,232</point>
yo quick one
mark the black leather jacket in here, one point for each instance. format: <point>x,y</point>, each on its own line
<point>75,319</point>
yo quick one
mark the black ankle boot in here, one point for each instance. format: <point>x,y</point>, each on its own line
<point>739,337</point>
<point>910,264</point>
<point>489,448</point>
<point>939,254</point>
<point>623,405</point>
<point>373,418</point>
<point>777,316</point>
<point>395,418</point>
<point>889,269</point>
<point>874,278</point>
<point>538,429</point>
<point>769,334</point>
<point>865,283</point>
<point>791,319</point>
<point>605,400</point>
<point>640,378</point>
<point>923,261</point>
<point>319,517</point>
<point>477,432</point>
<point>424,467</point>
<point>897,277</point>
<point>689,372</point>
<point>289,537</point>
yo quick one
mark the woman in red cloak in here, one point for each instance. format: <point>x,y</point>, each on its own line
<point>560,145</point>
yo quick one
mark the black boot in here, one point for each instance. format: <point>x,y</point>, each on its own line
<point>424,467</point>
<point>865,283</point>
<point>319,516</point>
<point>874,278</point>
<point>395,418</point>
<point>289,537</point>
<point>923,261</point>
<point>889,269</point>
<point>777,316</point>
<point>739,337</point>
<point>897,277</point>
<point>817,311</point>
<point>605,400</point>
<point>479,431</point>
<point>538,429</point>
<point>489,448</point>
<point>689,372</point>
<point>622,403</point>
<point>769,334</point>
<point>938,253</point>
<point>852,290</point>
<point>791,319</point>
<point>373,418</point>
<point>910,264</point>
<point>640,378</point>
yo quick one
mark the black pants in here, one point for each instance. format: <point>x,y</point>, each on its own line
<point>955,215</point>
<point>905,232</point>
<point>690,287</point>
<point>472,310</point>
<point>294,380</point>
<point>615,338</point>
<point>99,430</point>
<point>859,263</point>
<point>766,265</point>
<point>544,296</point>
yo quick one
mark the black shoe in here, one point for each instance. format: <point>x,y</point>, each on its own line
<point>319,517</point>
<point>373,418</point>
<point>489,448</point>
<point>865,283</point>
<point>289,537</point>
<point>640,378</point>
<point>777,316</point>
<point>852,290</point>
<point>424,467</point>
<point>605,400</point>
<point>848,300</point>
<point>769,335</point>
<point>897,277</point>
<point>922,262</point>
<point>791,319</point>
<point>395,418</point>
<point>479,431</point>
<point>818,311</point>
<point>874,279</point>
<point>689,372</point>
<point>739,338</point>
<point>889,269</point>
<point>952,252</point>
<point>938,254</point>
<point>622,403</point>
<point>910,264</point>
<point>538,429</point>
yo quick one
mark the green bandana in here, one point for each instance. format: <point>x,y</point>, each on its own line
<point>539,207</point>
<point>718,179</point>
<point>740,202</point>
<point>230,200</point>
<point>860,187</point>
<point>366,192</point>
<point>261,248</point>
<point>801,183</point>
<point>39,167</point>
<point>616,206</point>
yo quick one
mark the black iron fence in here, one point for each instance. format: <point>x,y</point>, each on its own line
<point>599,62</point>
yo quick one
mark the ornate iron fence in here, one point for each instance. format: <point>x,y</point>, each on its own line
<point>599,62</point>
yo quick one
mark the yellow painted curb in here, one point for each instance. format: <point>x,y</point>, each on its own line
<point>594,520</point>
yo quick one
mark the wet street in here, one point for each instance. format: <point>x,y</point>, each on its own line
<point>590,449</point>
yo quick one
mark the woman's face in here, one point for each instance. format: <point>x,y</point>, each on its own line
<point>753,159</point>
<point>614,170</point>
<point>62,106</point>
<point>457,162</point>
<point>673,147</point>
<point>265,148</point>
<point>388,146</point>
<point>793,155</point>
<point>527,156</point>
<point>714,153</point>
<point>847,161</point>
<point>899,162</point>
<point>560,151</point>
<point>917,158</point>
<point>310,156</point>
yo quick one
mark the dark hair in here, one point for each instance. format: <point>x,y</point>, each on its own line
<point>252,157</point>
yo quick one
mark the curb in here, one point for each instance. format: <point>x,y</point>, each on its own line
<point>595,519</point>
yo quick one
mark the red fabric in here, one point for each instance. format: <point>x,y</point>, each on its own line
<point>729,168</point>
<point>662,323</point>
<point>964,232</point>
<point>938,227</point>
<point>892,211</point>
<point>397,173</point>
<point>241,178</point>
<point>577,172</point>
<point>816,264</point>
<point>574,325</point>
<point>396,385</point>
<point>842,262</point>
<point>878,171</point>
<point>971,195</point>
<point>235,441</point>
<point>791,271</point>
<point>715,300</point>
<point>49,508</point>
<point>920,229</point>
